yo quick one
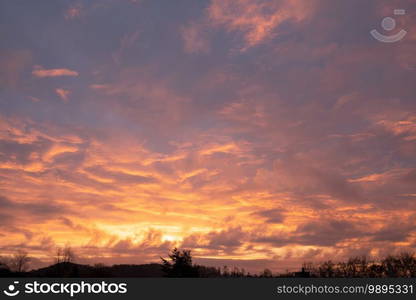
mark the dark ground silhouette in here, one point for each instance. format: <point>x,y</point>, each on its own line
<point>179,264</point>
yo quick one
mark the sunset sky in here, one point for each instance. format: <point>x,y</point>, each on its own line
<point>256,133</point>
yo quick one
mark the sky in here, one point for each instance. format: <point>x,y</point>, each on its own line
<point>256,133</point>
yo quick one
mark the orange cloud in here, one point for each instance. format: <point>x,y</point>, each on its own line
<point>290,154</point>
<point>38,71</point>
<point>405,128</point>
<point>213,195</point>
<point>63,94</point>
<point>58,149</point>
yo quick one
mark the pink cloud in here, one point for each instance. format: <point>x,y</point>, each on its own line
<point>257,20</point>
<point>38,71</point>
<point>63,94</point>
<point>73,12</point>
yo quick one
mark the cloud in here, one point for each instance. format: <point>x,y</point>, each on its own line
<point>397,231</point>
<point>21,153</point>
<point>63,93</point>
<point>325,232</point>
<point>195,38</point>
<point>148,246</point>
<point>275,215</point>
<point>59,149</point>
<point>146,97</point>
<point>74,11</point>
<point>256,20</point>
<point>405,127</point>
<point>40,211</point>
<point>300,146</point>
<point>40,72</point>
<point>227,240</point>
<point>119,176</point>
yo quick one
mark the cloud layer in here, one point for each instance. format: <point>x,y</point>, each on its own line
<point>257,133</point>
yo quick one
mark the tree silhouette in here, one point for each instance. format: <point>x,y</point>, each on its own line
<point>407,262</point>
<point>19,262</point>
<point>401,265</point>
<point>64,255</point>
<point>327,269</point>
<point>64,259</point>
<point>179,264</point>
<point>4,267</point>
<point>266,273</point>
<point>4,264</point>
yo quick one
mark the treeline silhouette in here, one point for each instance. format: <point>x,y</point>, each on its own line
<point>179,264</point>
<point>400,265</point>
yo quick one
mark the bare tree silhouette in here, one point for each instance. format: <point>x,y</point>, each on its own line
<point>64,260</point>
<point>4,263</point>
<point>401,265</point>
<point>19,262</point>
<point>407,264</point>
<point>64,255</point>
<point>180,264</point>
